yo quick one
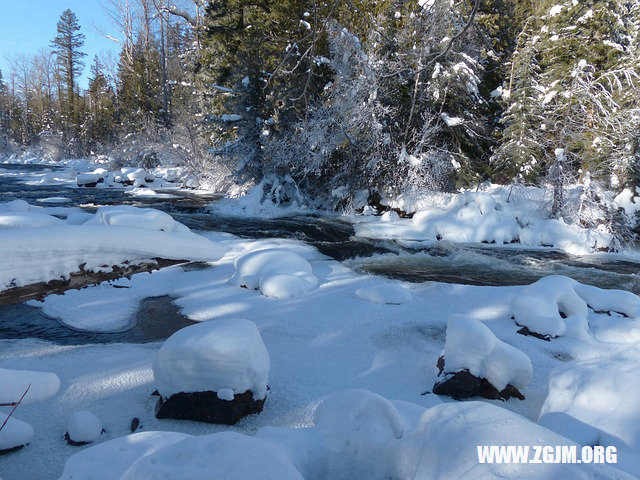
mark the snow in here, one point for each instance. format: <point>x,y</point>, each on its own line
<point>88,178</point>
<point>390,216</point>
<point>231,117</point>
<point>499,215</point>
<point>210,356</point>
<point>472,346</point>
<point>228,455</point>
<point>15,433</point>
<point>538,307</point>
<point>14,383</point>
<point>111,237</point>
<point>385,293</point>
<point>277,273</point>
<point>110,460</point>
<point>596,404</point>
<point>25,220</point>
<point>444,445</point>
<point>128,216</point>
<point>84,426</point>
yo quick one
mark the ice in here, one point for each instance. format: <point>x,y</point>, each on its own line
<point>15,433</point>
<point>14,383</point>
<point>84,426</point>
<point>211,356</point>
<point>596,405</point>
<point>109,460</point>
<point>54,200</point>
<point>539,306</point>
<point>385,293</point>
<point>276,272</point>
<point>227,455</point>
<point>472,346</point>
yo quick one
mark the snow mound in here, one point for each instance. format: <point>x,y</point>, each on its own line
<point>28,219</point>
<point>15,433</point>
<point>596,406</point>
<point>110,460</point>
<point>445,446</point>
<point>128,216</point>
<point>227,455</point>
<point>385,293</point>
<point>211,356</point>
<point>276,272</point>
<point>13,384</point>
<point>472,346</point>
<point>557,305</point>
<point>84,427</point>
<point>497,215</point>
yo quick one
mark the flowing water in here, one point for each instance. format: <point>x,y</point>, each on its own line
<point>331,235</point>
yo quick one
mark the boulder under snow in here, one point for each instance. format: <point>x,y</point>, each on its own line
<point>555,306</point>
<point>15,434</point>
<point>83,428</point>
<point>212,372</point>
<point>276,272</point>
<point>476,363</point>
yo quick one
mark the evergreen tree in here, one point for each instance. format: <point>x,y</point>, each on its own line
<point>98,125</point>
<point>66,46</point>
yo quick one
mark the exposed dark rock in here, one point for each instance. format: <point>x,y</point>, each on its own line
<point>207,407</point>
<point>11,450</point>
<point>526,332</point>
<point>73,443</point>
<point>463,384</point>
<point>135,423</point>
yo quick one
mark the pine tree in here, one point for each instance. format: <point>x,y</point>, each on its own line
<point>98,126</point>
<point>66,46</point>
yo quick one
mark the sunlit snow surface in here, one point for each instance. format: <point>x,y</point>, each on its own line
<point>350,331</point>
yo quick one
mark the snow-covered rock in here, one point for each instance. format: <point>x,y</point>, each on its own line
<point>227,455</point>
<point>276,272</point>
<point>14,383</point>
<point>88,179</point>
<point>498,215</point>
<point>15,433</point>
<point>196,362</point>
<point>471,346</point>
<point>596,405</point>
<point>557,305</point>
<point>129,216</point>
<point>83,427</point>
<point>385,293</point>
<point>110,460</point>
<point>211,356</point>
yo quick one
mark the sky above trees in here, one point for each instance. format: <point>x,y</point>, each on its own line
<point>26,26</point>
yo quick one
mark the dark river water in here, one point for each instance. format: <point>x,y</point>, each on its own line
<point>331,235</point>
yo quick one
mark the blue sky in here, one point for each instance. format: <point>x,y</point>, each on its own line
<point>28,25</point>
